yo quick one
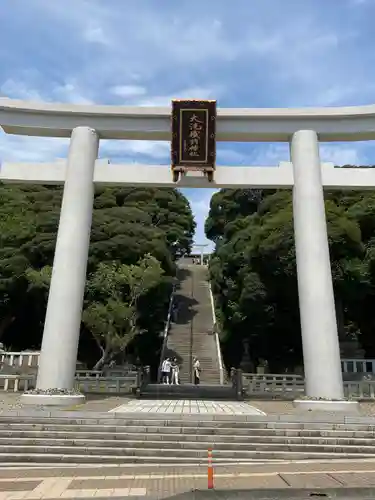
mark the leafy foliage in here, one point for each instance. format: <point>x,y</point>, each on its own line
<point>254,279</point>
<point>112,312</point>
<point>135,238</point>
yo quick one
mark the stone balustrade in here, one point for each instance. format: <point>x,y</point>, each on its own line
<point>87,381</point>
<point>285,386</point>
<point>24,358</point>
<point>358,365</point>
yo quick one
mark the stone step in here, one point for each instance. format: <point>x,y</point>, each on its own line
<point>199,451</point>
<point>185,344</point>
<point>191,441</point>
<point>191,434</point>
<point>189,397</point>
<point>191,337</point>
<point>193,422</point>
<point>27,465</point>
<point>57,459</point>
<point>188,391</point>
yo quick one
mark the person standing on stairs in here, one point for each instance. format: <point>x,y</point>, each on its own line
<point>166,371</point>
<point>196,371</point>
<point>175,372</point>
<point>174,313</point>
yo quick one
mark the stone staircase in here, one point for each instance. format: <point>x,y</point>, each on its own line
<point>192,332</point>
<point>213,392</point>
<point>152,439</point>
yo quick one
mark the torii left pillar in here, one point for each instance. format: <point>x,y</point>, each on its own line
<point>58,359</point>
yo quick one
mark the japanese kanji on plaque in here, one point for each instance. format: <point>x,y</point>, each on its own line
<point>193,135</point>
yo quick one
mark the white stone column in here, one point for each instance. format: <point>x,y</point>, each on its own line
<point>64,310</point>
<point>321,353</point>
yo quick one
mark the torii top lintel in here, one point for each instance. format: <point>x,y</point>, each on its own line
<point>354,123</point>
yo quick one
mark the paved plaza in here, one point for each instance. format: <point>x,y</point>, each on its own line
<point>142,481</point>
<point>104,403</point>
<point>187,407</point>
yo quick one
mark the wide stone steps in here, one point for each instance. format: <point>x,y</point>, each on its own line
<point>143,427</point>
<point>190,453</point>
<point>178,433</point>
<point>161,441</point>
<point>116,421</point>
<point>189,392</point>
<point>22,459</point>
<point>115,439</point>
<point>189,336</point>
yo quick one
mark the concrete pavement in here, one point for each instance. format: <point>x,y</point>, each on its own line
<point>189,407</point>
<point>164,482</point>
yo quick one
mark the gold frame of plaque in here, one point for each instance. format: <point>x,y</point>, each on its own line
<point>193,145</point>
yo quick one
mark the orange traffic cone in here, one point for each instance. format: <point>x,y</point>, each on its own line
<point>210,471</point>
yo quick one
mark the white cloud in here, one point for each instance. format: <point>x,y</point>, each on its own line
<point>362,2</point>
<point>70,93</point>
<point>128,91</point>
<point>146,40</point>
<point>230,157</point>
<point>31,149</point>
<point>19,90</point>
<point>137,95</point>
<point>345,154</point>
<point>269,154</point>
<point>353,153</point>
<point>269,53</point>
<point>95,34</point>
<point>200,204</point>
<point>155,150</point>
<point>188,93</point>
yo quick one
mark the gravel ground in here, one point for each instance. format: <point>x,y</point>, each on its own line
<point>11,401</point>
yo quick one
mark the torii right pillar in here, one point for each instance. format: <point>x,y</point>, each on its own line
<point>321,351</point>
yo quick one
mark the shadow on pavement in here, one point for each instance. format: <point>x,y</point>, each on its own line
<point>279,494</point>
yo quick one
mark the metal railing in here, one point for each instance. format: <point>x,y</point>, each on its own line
<point>165,332</point>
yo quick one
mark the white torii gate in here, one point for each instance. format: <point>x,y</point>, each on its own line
<point>86,125</point>
<point>201,247</point>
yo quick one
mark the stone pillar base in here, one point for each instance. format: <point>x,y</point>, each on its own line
<point>326,405</point>
<point>52,399</point>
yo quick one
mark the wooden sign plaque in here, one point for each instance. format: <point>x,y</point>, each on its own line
<point>193,144</point>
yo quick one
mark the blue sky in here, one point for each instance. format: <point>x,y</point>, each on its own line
<point>258,53</point>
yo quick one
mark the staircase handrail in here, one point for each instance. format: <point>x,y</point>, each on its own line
<point>166,331</point>
<point>216,335</point>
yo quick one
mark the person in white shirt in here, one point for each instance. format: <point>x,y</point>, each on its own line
<point>196,371</point>
<point>166,371</point>
<point>175,372</point>
<point>163,371</point>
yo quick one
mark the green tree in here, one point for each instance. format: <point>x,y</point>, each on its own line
<point>253,271</point>
<point>112,313</point>
<point>128,224</point>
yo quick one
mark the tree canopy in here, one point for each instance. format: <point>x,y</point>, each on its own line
<point>253,272</point>
<point>136,236</point>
